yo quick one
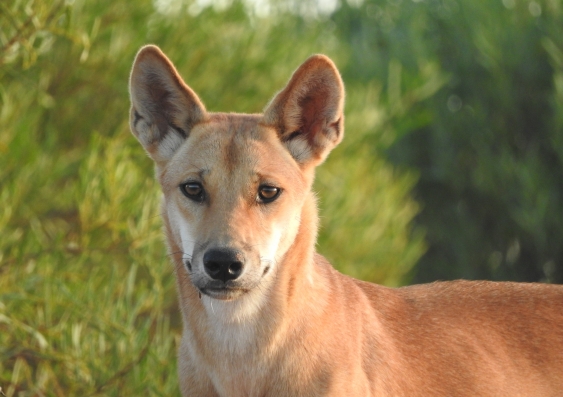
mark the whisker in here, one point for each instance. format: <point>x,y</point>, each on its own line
<point>255,245</point>
<point>174,253</point>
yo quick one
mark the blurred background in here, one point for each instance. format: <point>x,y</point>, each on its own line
<point>451,166</point>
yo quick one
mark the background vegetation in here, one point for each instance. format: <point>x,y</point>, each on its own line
<point>451,166</point>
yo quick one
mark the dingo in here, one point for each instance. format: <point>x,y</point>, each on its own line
<point>263,314</point>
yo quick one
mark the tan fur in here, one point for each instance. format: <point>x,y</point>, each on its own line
<point>291,325</point>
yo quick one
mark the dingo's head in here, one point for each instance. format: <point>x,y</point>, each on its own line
<point>234,185</point>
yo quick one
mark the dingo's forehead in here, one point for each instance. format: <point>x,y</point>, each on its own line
<point>233,149</point>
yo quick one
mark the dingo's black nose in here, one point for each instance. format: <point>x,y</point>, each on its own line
<point>223,264</point>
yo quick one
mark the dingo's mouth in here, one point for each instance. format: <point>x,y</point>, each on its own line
<point>223,293</point>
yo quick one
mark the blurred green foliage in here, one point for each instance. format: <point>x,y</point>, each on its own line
<point>87,300</point>
<point>451,165</point>
<point>488,145</point>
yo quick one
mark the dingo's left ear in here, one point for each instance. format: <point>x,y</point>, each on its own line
<point>308,112</point>
<point>163,108</point>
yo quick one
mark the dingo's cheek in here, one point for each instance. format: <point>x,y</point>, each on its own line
<point>183,234</point>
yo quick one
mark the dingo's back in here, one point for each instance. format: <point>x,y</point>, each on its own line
<point>263,314</point>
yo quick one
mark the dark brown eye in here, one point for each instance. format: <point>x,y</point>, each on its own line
<point>267,194</point>
<point>193,191</point>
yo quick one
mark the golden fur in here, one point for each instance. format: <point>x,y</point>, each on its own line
<point>290,325</point>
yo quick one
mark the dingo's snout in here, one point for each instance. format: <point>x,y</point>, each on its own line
<point>223,264</point>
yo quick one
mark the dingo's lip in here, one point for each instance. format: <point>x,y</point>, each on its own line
<point>223,293</point>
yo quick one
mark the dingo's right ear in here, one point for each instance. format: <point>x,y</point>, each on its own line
<point>308,112</point>
<point>163,108</point>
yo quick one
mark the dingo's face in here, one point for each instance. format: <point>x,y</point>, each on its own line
<point>234,185</point>
<point>232,196</point>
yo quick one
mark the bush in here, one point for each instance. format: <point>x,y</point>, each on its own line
<point>87,300</point>
<point>488,144</point>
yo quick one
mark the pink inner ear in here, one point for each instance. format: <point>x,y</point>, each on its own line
<point>313,111</point>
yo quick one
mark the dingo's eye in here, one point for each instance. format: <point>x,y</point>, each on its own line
<point>267,194</point>
<point>193,191</point>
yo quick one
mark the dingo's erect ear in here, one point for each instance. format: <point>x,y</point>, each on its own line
<point>163,108</point>
<point>308,112</point>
